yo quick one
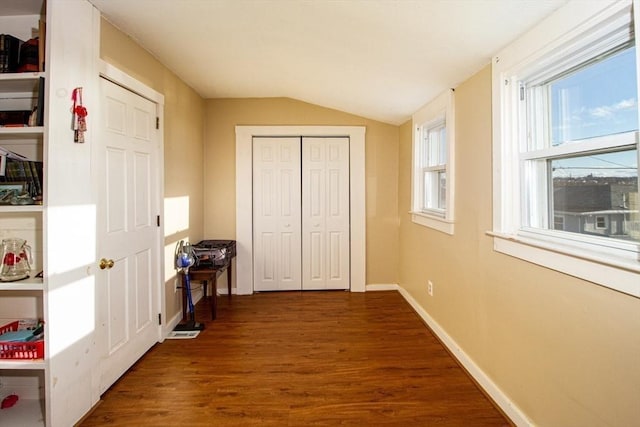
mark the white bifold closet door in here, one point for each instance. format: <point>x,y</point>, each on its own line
<point>301,213</point>
<point>325,213</point>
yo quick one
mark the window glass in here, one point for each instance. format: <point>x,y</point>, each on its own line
<point>558,223</point>
<point>442,190</point>
<point>428,185</point>
<point>435,142</point>
<point>597,194</point>
<point>434,160</point>
<point>596,100</point>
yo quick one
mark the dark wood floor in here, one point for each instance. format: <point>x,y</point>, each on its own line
<point>300,359</point>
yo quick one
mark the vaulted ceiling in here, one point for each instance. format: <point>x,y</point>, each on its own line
<point>380,59</point>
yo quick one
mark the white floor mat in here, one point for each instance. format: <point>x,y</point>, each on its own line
<point>182,335</point>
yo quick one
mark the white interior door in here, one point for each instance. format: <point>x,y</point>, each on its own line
<point>276,214</point>
<point>325,213</point>
<point>126,160</point>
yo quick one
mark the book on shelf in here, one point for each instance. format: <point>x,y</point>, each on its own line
<point>9,53</point>
<point>29,58</point>
<point>40,103</point>
<point>42,32</point>
<point>10,154</point>
<point>17,168</point>
<point>16,118</point>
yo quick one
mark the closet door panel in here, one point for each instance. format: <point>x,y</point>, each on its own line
<point>325,213</point>
<point>276,213</point>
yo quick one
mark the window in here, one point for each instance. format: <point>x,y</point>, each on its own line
<point>433,167</point>
<point>432,195</point>
<point>566,146</point>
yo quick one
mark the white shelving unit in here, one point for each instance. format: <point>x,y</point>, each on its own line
<point>25,298</point>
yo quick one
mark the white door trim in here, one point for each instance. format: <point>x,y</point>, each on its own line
<point>121,78</point>
<point>244,198</point>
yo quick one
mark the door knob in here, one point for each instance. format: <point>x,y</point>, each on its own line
<point>106,263</point>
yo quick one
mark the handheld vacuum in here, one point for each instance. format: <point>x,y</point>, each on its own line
<point>185,259</point>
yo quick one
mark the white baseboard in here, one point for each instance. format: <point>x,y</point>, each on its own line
<point>167,328</point>
<point>382,287</point>
<point>508,407</point>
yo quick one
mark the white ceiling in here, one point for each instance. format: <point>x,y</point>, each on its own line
<point>380,59</point>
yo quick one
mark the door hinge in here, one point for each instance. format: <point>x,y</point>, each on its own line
<point>159,318</point>
<point>521,93</point>
<point>157,122</point>
<point>158,220</point>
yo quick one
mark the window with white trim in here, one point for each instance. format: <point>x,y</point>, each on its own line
<point>433,143</point>
<point>566,145</point>
<point>433,167</point>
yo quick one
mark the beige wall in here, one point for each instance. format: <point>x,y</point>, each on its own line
<point>381,170</point>
<point>566,351</point>
<point>183,145</point>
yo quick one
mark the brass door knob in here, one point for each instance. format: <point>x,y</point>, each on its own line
<point>106,263</point>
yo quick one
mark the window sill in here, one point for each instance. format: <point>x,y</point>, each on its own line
<point>614,273</point>
<point>437,223</point>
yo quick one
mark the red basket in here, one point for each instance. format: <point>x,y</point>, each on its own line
<point>20,350</point>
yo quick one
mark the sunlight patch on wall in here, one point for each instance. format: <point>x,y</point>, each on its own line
<point>176,215</point>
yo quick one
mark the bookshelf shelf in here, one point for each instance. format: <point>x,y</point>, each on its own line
<point>26,131</point>
<point>30,284</point>
<point>16,85</point>
<point>20,76</point>
<point>22,364</point>
<point>20,208</point>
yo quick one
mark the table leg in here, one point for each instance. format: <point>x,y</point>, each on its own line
<point>229,276</point>
<point>214,296</point>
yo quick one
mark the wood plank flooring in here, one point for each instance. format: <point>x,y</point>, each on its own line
<point>300,359</point>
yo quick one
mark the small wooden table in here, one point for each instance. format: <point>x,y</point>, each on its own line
<point>206,275</point>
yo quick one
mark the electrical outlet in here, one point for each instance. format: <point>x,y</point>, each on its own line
<point>430,287</point>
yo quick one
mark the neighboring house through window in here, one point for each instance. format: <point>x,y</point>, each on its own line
<point>566,145</point>
<point>433,168</point>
